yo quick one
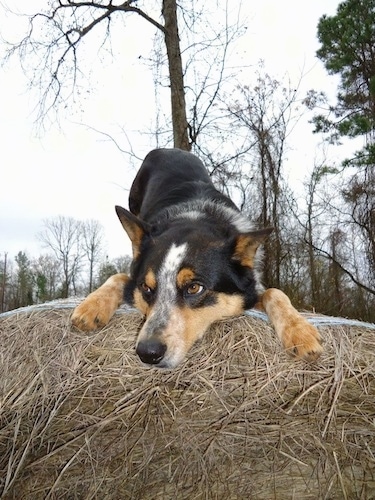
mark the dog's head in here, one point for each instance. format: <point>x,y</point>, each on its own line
<point>184,278</point>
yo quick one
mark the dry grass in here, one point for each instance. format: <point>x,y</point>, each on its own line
<point>82,419</point>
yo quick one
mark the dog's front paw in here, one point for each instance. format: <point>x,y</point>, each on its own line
<point>302,340</point>
<point>99,307</point>
<point>94,312</point>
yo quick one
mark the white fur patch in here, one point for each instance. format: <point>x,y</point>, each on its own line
<point>165,317</point>
<point>172,262</point>
<point>239,221</point>
<point>192,214</point>
<point>197,209</point>
<point>167,289</point>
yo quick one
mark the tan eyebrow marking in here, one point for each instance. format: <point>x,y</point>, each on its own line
<point>140,303</point>
<point>185,276</point>
<point>150,279</point>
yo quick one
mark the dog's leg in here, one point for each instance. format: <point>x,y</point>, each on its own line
<point>98,307</point>
<point>297,335</point>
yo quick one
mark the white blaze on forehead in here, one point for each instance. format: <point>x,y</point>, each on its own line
<point>164,318</point>
<point>168,271</point>
<point>173,259</point>
<point>167,280</point>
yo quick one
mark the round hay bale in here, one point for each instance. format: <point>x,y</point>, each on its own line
<point>81,418</point>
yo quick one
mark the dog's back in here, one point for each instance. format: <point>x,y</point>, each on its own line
<point>168,177</point>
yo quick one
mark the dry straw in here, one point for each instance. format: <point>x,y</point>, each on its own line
<point>81,418</point>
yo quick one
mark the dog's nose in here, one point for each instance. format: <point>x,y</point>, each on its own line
<point>151,351</point>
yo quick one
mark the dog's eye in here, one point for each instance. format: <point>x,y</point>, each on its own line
<point>146,289</point>
<point>194,289</point>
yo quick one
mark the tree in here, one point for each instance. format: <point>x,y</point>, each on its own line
<point>110,267</point>
<point>24,280</point>
<point>3,281</point>
<point>123,263</point>
<point>106,270</point>
<point>348,49</point>
<point>65,24</point>
<point>359,195</point>
<point>47,273</point>
<point>92,244</point>
<point>57,36</point>
<point>62,236</point>
<point>313,225</point>
<point>266,112</point>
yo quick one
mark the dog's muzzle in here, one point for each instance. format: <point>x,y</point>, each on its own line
<point>151,351</point>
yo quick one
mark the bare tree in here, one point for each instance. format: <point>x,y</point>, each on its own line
<point>92,245</point>
<point>267,112</point>
<point>314,223</point>
<point>109,267</point>
<point>336,261</point>
<point>54,45</point>
<point>359,196</point>
<point>3,280</point>
<point>62,236</point>
<point>56,36</point>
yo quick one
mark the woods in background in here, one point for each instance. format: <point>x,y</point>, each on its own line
<point>75,264</point>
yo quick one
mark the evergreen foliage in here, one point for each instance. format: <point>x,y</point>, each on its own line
<point>348,49</point>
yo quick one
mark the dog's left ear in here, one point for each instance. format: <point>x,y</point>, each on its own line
<point>135,228</point>
<point>247,244</point>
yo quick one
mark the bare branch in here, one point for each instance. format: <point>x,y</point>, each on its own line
<point>49,51</point>
<point>326,254</point>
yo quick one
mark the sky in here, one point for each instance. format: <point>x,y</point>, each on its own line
<point>71,169</point>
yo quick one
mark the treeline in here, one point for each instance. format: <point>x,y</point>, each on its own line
<point>318,254</point>
<point>75,264</point>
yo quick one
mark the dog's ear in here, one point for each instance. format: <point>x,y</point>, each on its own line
<point>247,244</point>
<point>135,228</point>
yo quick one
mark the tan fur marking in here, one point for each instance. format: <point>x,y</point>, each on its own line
<point>245,250</point>
<point>185,276</point>
<point>247,245</point>
<point>197,321</point>
<point>140,303</point>
<point>136,236</point>
<point>295,332</point>
<point>188,325</point>
<point>134,230</point>
<point>150,279</point>
<point>98,307</point>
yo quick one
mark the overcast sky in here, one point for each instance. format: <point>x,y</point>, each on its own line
<point>72,170</point>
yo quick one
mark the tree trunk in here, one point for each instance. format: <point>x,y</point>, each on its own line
<point>311,255</point>
<point>3,285</point>
<point>91,274</point>
<point>176,76</point>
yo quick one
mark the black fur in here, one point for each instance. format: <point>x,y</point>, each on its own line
<point>170,177</point>
<point>170,185</point>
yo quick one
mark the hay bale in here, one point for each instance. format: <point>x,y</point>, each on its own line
<point>81,418</point>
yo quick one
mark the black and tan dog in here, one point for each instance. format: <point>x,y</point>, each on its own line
<point>195,261</point>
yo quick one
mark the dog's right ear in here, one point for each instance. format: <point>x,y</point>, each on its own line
<point>135,228</point>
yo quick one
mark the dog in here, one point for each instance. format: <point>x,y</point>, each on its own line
<point>196,260</point>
